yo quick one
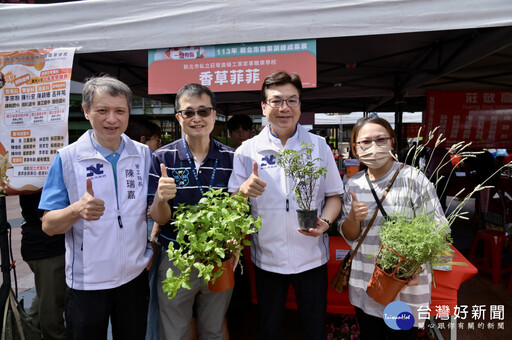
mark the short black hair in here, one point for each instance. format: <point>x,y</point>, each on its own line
<point>193,90</point>
<point>280,78</point>
<point>139,127</point>
<point>237,121</point>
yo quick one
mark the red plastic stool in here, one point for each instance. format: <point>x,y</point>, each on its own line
<point>493,248</point>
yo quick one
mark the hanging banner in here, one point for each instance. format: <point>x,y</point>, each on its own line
<point>34,104</point>
<point>233,67</point>
<point>483,118</point>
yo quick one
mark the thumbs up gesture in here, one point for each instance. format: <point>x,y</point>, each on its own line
<point>166,186</point>
<point>359,210</point>
<point>254,186</point>
<point>89,207</point>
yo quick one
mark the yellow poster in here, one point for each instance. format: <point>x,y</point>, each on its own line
<point>34,105</point>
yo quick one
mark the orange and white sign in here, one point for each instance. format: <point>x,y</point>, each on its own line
<point>34,102</point>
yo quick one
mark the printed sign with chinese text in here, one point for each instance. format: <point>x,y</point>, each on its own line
<point>481,117</point>
<point>34,102</point>
<point>234,67</point>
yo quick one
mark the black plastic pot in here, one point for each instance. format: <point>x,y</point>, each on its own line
<point>307,218</point>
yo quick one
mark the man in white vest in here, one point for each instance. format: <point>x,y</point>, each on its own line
<point>282,253</point>
<point>95,194</point>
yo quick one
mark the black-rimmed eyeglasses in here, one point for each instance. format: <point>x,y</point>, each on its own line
<point>366,144</point>
<point>202,112</point>
<point>278,102</point>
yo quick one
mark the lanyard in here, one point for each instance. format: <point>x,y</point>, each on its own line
<point>193,168</point>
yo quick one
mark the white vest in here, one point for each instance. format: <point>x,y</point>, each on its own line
<point>114,250</point>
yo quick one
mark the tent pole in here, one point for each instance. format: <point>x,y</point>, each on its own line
<point>398,121</point>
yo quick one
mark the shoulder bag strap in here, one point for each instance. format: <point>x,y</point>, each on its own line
<point>379,204</point>
<point>375,213</point>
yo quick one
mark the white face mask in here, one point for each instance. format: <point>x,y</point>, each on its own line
<point>376,156</point>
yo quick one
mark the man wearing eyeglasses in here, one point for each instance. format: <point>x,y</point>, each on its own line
<point>181,172</point>
<point>281,252</point>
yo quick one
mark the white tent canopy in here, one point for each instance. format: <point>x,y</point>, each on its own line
<point>371,54</point>
<point>120,25</point>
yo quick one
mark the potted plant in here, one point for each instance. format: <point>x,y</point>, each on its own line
<point>409,243</point>
<point>209,235</point>
<point>305,173</point>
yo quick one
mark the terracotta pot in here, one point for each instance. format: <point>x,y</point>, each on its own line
<point>226,280</point>
<point>384,287</point>
<point>307,218</point>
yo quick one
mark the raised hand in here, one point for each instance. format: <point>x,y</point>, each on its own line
<point>359,210</point>
<point>89,207</point>
<point>254,186</point>
<point>166,186</point>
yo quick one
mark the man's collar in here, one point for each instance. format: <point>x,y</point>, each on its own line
<point>265,139</point>
<point>213,152</point>
<point>103,150</point>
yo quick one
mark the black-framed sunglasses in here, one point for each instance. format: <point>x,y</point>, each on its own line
<point>278,102</point>
<point>202,112</point>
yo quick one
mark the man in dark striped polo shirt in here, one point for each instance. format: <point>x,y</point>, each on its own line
<point>181,172</point>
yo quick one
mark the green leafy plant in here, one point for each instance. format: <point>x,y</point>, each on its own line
<point>304,172</point>
<point>419,239</point>
<point>208,233</point>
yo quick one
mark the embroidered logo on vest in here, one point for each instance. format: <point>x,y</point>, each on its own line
<point>94,170</point>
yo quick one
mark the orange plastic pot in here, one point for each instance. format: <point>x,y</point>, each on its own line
<point>226,280</point>
<point>384,287</point>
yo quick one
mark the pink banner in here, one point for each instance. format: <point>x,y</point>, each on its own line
<point>239,73</point>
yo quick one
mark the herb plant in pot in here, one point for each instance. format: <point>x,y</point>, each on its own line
<point>407,244</point>
<point>304,172</point>
<point>209,235</point>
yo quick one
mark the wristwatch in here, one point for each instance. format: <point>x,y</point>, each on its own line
<point>153,239</point>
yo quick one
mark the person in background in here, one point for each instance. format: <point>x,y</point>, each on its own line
<point>281,252</point>
<point>45,256</point>
<point>239,129</point>
<point>93,194</point>
<point>181,172</point>
<point>372,142</point>
<point>147,132</point>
